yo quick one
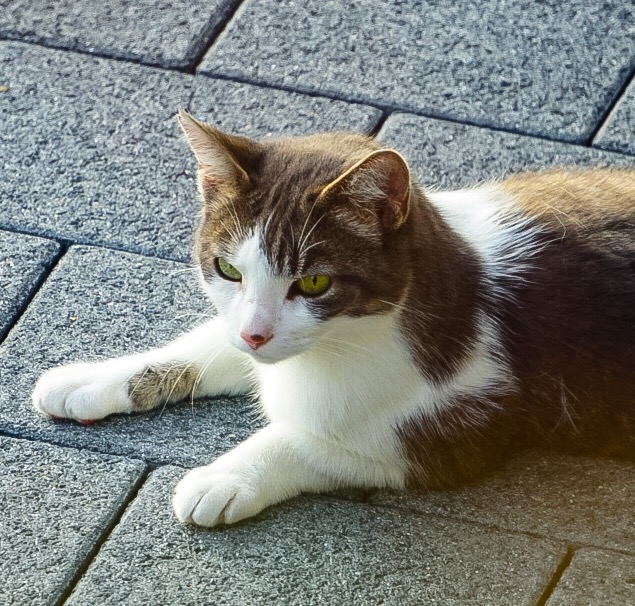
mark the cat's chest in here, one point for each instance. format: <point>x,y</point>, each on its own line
<point>344,392</point>
<point>362,394</point>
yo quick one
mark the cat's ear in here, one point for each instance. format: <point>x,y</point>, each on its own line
<point>223,159</point>
<point>380,183</point>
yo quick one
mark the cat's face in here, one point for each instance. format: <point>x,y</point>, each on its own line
<point>299,235</point>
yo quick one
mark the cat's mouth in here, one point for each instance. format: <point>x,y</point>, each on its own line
<point>271,352</point>
<point>265,356</point>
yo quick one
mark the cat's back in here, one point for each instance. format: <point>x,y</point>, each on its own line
<point>595,208</point>
<point>583,224</point>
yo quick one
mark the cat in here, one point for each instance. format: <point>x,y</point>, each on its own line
<point>395,337</point>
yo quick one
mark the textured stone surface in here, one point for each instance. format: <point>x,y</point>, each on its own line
<point>549,68</point>
<point>55,504</point>
<point>97,304</point>
<point>575,499</point>
<point>165,32</point>
<point>596,578</point>
<point>92,153</point>
<point>23,261</point>
<point>448,155</point>
<point>311,551</point>
<point>618,132</point>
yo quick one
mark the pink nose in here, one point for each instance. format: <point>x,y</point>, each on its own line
<point>255,341</point>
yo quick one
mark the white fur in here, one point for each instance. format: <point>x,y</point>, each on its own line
<point>487,219</point>
<point>87,392</point>
<point>335,392</point>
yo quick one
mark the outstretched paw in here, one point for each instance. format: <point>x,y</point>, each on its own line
<point>83,392</point>
<point>212,495</point>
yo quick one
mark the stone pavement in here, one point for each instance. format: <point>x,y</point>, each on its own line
<point>97,207</point>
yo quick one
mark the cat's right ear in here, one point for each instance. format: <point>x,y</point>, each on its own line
<point>376,189</point>
<point>223,160</point>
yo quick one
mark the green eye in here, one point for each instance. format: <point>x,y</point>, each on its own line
<point>227,270</point>
<point>312,285</point>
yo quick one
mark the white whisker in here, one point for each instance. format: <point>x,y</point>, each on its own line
<point>306,238</point>
<point>306,221</point>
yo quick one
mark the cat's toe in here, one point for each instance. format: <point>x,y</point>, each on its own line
<point>214,498</point>
<point>90,403</point>
<point>51,393</point>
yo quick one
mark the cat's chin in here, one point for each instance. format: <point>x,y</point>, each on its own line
<point>269,356</point>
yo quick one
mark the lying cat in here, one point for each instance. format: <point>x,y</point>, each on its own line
<point>394,336</point>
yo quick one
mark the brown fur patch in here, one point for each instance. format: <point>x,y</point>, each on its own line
<point>160,384</point>
<point>459,444</point>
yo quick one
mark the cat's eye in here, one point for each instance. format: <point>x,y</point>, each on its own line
<point>227,270</point>
<point>312,286</point>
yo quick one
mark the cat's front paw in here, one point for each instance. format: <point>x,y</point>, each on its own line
<point>213,495</point>
<point>83,392</point>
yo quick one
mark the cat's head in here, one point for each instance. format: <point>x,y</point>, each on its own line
<point>299,236</point>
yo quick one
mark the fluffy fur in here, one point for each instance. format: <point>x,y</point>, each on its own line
<point>457,327</point>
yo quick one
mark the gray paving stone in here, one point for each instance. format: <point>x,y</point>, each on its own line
<point>311,551</point>
<point>23,261</point>
<point>169,33</point>
<point>547,68</point>
<point>97,304</point>
<point>575,499</point>
<point>92,153</point>
<point>55,504</point>
<point>451,155</point>
<point>618,132</point>
<point>596,578</point>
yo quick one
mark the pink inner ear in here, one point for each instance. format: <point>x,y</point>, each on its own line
<point>210,182</point>
<point>210,185</point>
<point>396,185</point>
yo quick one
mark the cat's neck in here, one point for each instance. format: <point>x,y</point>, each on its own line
<point>439,315</point>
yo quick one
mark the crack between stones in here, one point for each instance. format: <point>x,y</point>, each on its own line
<point>379,125</point>
<point>608,111</point>
<point>209,38</point>
<point>73,242</point>
<point>49,267</point>
<point>555,579</point>
<point>384,108</point>
<point>51,44</point>
<point>495,528</point>
<point>149,461</point>
<point>390,109</point>
<point>104,536</point>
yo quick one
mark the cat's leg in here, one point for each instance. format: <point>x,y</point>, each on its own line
<point>276,463</point>
<point>201,362</point>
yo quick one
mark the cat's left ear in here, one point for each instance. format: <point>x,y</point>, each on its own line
<point>223,159</point>
<point>380,183</point>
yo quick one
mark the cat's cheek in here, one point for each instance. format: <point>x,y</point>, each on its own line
<point>222,293</point>
<point>291,340</point>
